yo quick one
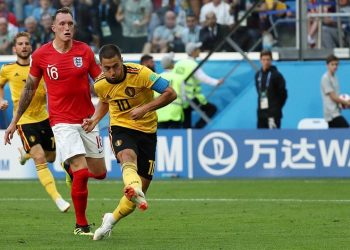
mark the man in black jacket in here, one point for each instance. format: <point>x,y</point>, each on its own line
<point>212,33</point>
<point>272,93</point>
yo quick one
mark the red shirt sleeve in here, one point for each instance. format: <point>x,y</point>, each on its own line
<point>94,68</point>
<point>35,70</point>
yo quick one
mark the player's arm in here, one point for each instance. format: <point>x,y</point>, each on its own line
<point>3,103</point>
<point>3,79</point>
<point>24,101</point>
<point>167,95</point>
<point>100,111</point>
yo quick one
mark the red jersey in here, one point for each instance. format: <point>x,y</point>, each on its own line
<point>67,81</point>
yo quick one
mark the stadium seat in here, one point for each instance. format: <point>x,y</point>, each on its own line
<point>312,123</point>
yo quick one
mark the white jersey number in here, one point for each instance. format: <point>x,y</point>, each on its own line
<point>52,73</point>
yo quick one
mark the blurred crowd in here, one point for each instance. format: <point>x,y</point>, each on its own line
<point>145,26</point>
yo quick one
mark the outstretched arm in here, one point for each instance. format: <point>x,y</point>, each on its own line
<point>26,97</point>
<point>100,111</point>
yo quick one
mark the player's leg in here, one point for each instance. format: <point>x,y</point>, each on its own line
<point>79,193</point>
<point>36,138</point>
<point>46,178</point>
<point>72,150</point>
<point>137,168</point>
<point>94,154</point>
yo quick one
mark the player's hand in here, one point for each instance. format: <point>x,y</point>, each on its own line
<point>9,133</point>
<point>4,104</point>
<point>137,113</point>
<point>221,81</point>
<point>88,124</point>
<point>347,104</point>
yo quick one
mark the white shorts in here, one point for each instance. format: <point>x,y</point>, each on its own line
<point>72,140</point>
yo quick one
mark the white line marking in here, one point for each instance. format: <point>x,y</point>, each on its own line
<point>197,200</point>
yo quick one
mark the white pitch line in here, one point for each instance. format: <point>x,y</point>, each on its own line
<point>197,200</point>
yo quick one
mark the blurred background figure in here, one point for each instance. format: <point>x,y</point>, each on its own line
<point>167,37</point>
<point>221,10</point>
<point>7,33</point>
<point>172,115</point>
<point>46,33</point>
<point>193,89</point>
<point>44,8</point>
<point>31,26</point>
<point>4,12</point>
<point>212,32</point>
<point>134,16</point>
<point>190,33</point>
<point>110,30</point>
<point>147,60</point>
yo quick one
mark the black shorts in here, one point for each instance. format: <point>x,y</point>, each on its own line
<point>143,144</point>
<point>37,133</point>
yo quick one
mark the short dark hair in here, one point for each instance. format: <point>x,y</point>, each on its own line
<point>190,14</point>
<point>331,58</point>
<point>266,53</point>
<point>20,34</point>
<point>145,58</point>
<point>109,51</point>
<point>64,10</point>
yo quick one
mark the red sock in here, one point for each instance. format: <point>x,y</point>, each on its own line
<point>99,177</point>
<point>79,195</point>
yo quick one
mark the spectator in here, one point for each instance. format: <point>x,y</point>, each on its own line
<point>158,17</point>
<point>28,8</point>
<point>190,33</point>
<point>147,60</point>
<point>344,7</point>
<point>7,34</point>
<point>330,96</point>
<point>212,33</point>
<point>45,7</point>
<point>249,31</point>
<point>221,10</point>
<point>31,26</point>
<point>171,116</point>
<point>19,10</point>
<point>4,12</point>
<point>110,28</point>
<point>167,37</point>
<point>272,93</point>
<point>268,20</point>
<point>329,28</point>
<point>312,24</point>
<point>183,68</point>
<point>196,6</point>
<point>46,33</point>
<point>134,15</point>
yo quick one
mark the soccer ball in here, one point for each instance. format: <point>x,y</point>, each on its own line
<point>344,97</point>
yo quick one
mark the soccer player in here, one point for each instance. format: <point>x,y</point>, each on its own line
<point>126,90</point>
<point>66,65</point>
<point>33,127</point>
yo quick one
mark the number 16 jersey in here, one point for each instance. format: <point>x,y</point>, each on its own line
<point>67,80</point>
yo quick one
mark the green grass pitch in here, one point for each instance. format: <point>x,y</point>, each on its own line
<point>185,214</point>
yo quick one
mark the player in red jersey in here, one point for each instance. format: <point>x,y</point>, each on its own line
<point>65,65</point>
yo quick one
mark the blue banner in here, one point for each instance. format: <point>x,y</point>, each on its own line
<point>209,154</point>
<point>271,153</point>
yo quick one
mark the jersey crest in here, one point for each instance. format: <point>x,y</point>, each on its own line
<point>129,91</point>
<point>78,62</point>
